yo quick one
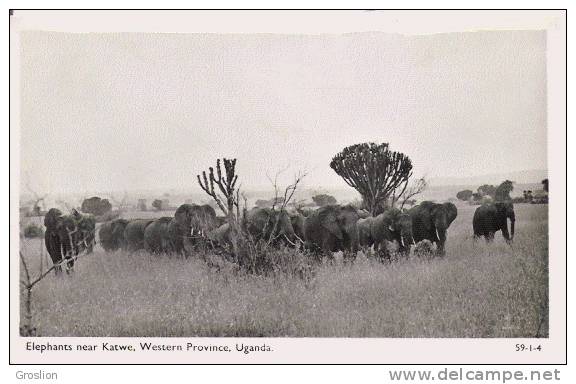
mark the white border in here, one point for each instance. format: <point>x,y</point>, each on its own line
<point>388,351</point>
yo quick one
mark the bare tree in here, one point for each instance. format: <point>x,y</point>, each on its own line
<point>283,198</point>
<point>408,191</point>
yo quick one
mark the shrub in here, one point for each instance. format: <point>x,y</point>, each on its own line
<point>157,204</point>
<point>96,206</point>
<point>324,199</point>
<point>464,195</point>
<point>424,249</point>
<point>33,230</point>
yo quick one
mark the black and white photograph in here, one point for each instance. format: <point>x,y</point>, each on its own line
<point>238,182</point>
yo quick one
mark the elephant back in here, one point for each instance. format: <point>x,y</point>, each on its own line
<point>111,234</point>
<point>134,233</point>
<point>157,236</point>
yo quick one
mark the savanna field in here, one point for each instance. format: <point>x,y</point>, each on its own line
<point>476,290</point>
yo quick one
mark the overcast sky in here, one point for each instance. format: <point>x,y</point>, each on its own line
<point>103,112</point>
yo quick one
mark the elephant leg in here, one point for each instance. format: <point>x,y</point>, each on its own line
<point>348,256</point>
<point>440,250</point>
<point>404,251</point>
<point>382,253</point>
<point>489,237</point>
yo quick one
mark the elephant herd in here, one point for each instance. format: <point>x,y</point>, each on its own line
<point>166,234</point>
<point>328,229</point>
<point>336,228</point>
<point>323,231</point>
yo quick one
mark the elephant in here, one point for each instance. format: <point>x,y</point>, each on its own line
<point>111,234</point>
<point>158,236</point>
<point>392,225</point>
<point>270,224</point>
<point>365,231</point>
<point>190,225</point>
<point>430,221</point>
<point>85,238</point>
<point>333,228</point>
<point>493,217</point>
<point>134,233</point>
<point>67,236</point>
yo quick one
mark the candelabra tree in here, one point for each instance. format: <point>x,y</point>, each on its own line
<point>217,184</point>
<point>374,171</point>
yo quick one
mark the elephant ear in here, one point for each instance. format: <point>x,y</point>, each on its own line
<point>428,216</point>
<point>182,215</point>
<point>452,212</point>
<point>330,223</point>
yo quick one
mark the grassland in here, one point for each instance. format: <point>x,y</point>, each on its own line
<point>476,290</point>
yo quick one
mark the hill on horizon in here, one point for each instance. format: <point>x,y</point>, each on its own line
<point>520,177</point>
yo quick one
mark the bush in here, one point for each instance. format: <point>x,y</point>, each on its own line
<point>96,206</point>
<point>33,231</point>
<point>464,195</point>
<point>324,199</point>
<point>424,249</point>
<point>157,204</point>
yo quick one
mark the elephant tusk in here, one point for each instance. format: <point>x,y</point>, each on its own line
<point>291,243</point>
<point>437,235</point>
<point>413,241</point>
<point>298,238</point>
<point>402,241</point>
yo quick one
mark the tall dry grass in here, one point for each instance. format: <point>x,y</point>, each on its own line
<point>476,290</point>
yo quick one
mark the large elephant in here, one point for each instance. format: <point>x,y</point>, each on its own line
<point>54,223</point>
<point>111,234</point>
<point>134,233</point>
<point>85,237</point>
<point>68,235</point>
<point>392,225</point>
<point>333,228</point>
<point>430,221</point>
<point>191,223</point>
<point>159,236</point>
<point>493,217</point>
<point>365,231</point>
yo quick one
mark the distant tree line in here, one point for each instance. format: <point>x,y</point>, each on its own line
<point>487,192</point>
